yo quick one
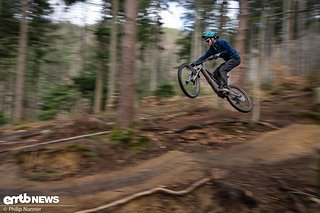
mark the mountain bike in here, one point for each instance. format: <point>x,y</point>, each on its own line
<point>189,81</point>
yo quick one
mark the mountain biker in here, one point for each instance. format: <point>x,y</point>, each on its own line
<point>223,49</point>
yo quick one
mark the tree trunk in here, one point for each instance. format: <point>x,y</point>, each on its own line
<point>33,96</point>
<point>198,32</point>
<point>287,26</point>
<point>155,51</point>
<point>125,116</point>
<point>2,95</point>
<point>154,69</point>
<point>113,57</point>
<point>83,44</point>
<point>222,24</point>
<point>301,32</point>
<point>239,73</point>
<point>256,83</point>
<point>22,54</point>
<point>99,87</point>
<point>223,17</point>
<point>267,75</point>
<point>196,49</point>
<point>0,7</point>
<point>287,22</point>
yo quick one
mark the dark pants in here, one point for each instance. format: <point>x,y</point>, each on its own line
<point>226,67</point>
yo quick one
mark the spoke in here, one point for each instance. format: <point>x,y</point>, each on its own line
<point>190,82</point>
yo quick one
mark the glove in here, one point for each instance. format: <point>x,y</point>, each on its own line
<point>215,56</point>
<point>193,64</point>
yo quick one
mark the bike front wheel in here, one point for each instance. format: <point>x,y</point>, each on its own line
<point>239,99</point>
<point>189,83</point>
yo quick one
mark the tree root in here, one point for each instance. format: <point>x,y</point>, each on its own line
<point>304,195</point>
<point>215,174</point>
<point>309,196</point>
<point>32,146</point>
<point>148,192</point>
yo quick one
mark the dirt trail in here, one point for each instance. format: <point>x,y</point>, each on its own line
<point>291,142</point>
<point>172,169</point>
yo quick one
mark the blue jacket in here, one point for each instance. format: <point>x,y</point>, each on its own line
<point>223,48</point>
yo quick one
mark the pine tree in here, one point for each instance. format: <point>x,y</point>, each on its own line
<point>125,115</point>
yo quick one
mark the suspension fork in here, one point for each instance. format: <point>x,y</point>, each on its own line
<point>194,77</point>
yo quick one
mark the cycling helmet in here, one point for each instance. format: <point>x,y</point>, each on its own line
<point>210,35</point>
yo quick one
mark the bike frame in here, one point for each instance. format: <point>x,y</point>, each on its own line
<point>205,72</point>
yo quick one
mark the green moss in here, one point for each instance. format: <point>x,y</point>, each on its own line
<point>287,86</point>
<point>118,135</point>
<point>165,91</point>
<point>311,115</point>
<point>275,91</point>
<point>92,154</point>
<point>38,176</point>
<point>266,85</point>
<point>75,147</point>
<point>129,138</point>
<point>144,139</point>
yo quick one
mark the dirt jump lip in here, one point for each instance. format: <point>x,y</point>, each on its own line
<point>296,140</point>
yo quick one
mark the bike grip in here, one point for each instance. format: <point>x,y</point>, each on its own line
<point>192,64</point>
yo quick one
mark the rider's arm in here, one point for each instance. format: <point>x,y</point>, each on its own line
<point>209,52</point>
<point>225,46</point>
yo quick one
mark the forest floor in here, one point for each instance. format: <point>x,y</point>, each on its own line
<point>272,166</point>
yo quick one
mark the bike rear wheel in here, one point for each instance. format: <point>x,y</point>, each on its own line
<point>239,99</point>
<point>189,83</point>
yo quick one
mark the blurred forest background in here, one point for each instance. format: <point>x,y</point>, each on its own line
<point>48,67</point>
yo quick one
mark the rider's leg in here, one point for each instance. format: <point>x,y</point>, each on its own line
<point>216,72</point>
<point>227,67</point>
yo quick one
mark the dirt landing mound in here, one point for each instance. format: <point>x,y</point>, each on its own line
<point>291,142</point>
<point>177,170</point>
